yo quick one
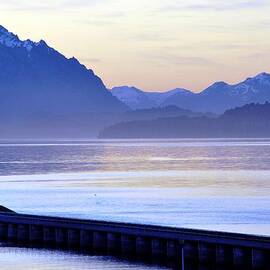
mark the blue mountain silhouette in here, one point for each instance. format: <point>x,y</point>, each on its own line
<point>36,78</point>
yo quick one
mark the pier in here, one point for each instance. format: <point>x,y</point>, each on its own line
<point>158,243</point>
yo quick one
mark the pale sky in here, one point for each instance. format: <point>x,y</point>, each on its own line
<point>151,44</point>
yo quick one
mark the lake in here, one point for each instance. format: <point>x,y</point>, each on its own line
<point>216,184</point>
<point>14,258</point>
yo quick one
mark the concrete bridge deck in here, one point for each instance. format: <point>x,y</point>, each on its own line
<point>126,239</point>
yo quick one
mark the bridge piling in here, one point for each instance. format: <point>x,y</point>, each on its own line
<point>35,234</point>
<point>158,248</point>
<point>114,243</point>
<point>12,232</point>
<point>224,255</point>
<point>207,253</point>
<point>128,245</point>
<point>49,238</point>
<point>143,247</point>
<point>86,240</point>
<point>99,241</point>
<point>259,259</point>
<point>61,237</point>
<point>23,233</point>
<point>241,256</point>
<point>73,238</point>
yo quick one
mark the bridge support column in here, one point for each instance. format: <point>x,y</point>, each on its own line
<point>241,256</point>
<point>207,253</point>
<point>176,252</point>
<point>61,238</point>
<point>143,247</point>
<point>171,249</point>
<point>191,250</point>
<point>86,240</point>
<point>259,259</point>
<point>158,247</point>
<point>114,243</point>
<point>224,255</point>
<point>23,233</point>
<point>73,238</point>
<point>36,234</point>
<point>3,231</point>
<point>99,241</point>
<point>49,236</point>
<point>12,232</point>
<point>128,245</point>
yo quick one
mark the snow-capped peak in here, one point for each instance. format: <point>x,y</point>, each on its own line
<point>262,76</point>
<point>11,40</point>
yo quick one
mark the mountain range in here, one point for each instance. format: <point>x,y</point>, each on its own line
<point>138,99</point>
<point>217,98</point>
<point>43,94</point>
<point>47,95</point>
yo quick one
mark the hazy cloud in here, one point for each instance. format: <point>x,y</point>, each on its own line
<point>165,57</point>
<point>217,5</point>
<point>97,22</point>
<point>185,60</point>
<point>257,55</point>
<point>26,5</point>
<point>153,36</point>
<point>263,24</point>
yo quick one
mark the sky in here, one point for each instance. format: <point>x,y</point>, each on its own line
<point>155,45</point>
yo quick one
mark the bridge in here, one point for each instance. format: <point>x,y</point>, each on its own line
<point>177,245</point>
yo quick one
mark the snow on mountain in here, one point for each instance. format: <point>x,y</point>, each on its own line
<point>133,97</point>
<point>139,99</point>
<point>217,98</point>
<point>256,86</point>
<point>222,96</point>
<point>11,40</point>
<point>255,89</point>
<point>160,97</point>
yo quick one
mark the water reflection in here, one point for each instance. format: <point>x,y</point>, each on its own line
<point>14,258</point>
<point>37,158</point>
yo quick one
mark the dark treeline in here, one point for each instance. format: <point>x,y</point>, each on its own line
<point>252,120</point>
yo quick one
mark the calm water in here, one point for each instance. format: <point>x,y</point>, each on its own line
<point>210,184</point>
<point>12,258</point>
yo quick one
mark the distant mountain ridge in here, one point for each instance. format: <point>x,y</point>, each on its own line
<point>217,98</point>
<point>168,111</point>
<point>249,121</point>
<point>138,99</point>
<point>35,78</point>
